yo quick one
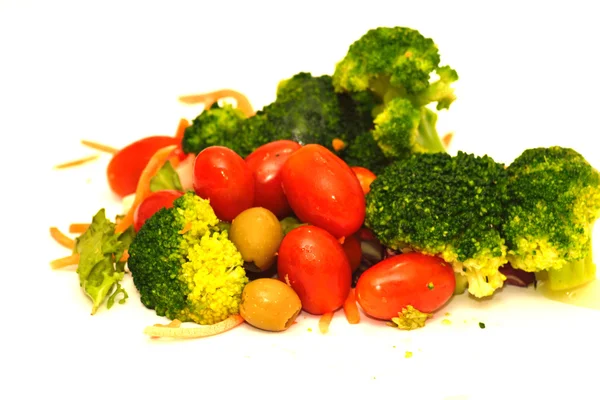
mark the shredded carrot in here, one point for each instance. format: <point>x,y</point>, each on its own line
<point>65,261</point>
<point>183,124</point>
<point>208,99</point>
<point>447,139</point>
<point>351,309</point>
<point>158,331</point>
<point>143,187</point>
<point>325,321</point>
<point>186,228</point>
<point>125,256</point>
<point>342,240</point>
<point>99,146</point>
<point>75,163</point>
<point>61,238</point>
<point>78,228</point>
<point>338,144</point>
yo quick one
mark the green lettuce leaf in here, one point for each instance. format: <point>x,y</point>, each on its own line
<point>99,268</point>
<point>166,179</point>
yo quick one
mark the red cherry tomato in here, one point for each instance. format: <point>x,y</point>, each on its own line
<point>153,203</point>
<point>126,166</point>
<point>323,191</point>
<point>314,264</point>
<point>353,251</point>
<point>365,177</point>
<point>222,176</point>
<point>266,163</point>
<point>415,279</point>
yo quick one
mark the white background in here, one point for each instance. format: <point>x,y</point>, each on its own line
<point>112,71</point>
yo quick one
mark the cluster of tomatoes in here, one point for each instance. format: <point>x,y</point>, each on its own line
<point>317,259</point>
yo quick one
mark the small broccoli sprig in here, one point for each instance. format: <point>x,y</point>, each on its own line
<point>184,266</point>
<point>402,130</point>
<point>451,207</point>
<point>396,62</point>
<point>217,126</point>
<point>554,201</point>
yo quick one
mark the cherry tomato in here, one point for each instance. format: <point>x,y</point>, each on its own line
<point>314,264</point>
<point>153,203</point>
<point>266,163</point>
<point>323,191</point>
<point>222,176</point>
<point>126,166</point>
<point>353,251</point>
<point>424,282</point>
<point>365,177</point>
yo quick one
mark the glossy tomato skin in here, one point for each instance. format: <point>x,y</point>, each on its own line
<point>314,264</point>
<point>415,279</point>
<point>126,166</point>
<point>222,176</point>
<point>153,203</point>
<point>266,163</point>
<point>323,191</point>
<point>365,177</point>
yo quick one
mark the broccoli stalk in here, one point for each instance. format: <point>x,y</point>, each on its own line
<point>572,274</point>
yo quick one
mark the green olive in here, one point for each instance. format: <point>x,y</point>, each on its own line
<point>257,234</point>
<point>269,304</point>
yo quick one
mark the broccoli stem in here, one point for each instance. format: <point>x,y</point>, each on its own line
<point>428,136</point>
<point>573,274</point>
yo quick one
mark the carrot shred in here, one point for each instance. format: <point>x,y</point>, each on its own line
<point>212,97</point>
<point>175,331</point>
<point>325,321</point>
<point>342,240</point>
<point>65,261</point>
<point>61,238</point>
<point>351,308</point>
<point>76,163</point>
<point>447,139</point>
<point>78,228</point>
<point>99,146</point>
<point>125,256</point>
<point>186,228</point>
<point>338,144</point>
<point>143,187</point>
<point>183,124</point>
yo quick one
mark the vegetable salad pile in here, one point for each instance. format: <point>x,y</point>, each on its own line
<point>340,194</point>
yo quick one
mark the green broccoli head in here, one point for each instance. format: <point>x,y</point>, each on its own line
<point>217,126</point>
<point>395,62</point>
<point>307,110</point>
<point>184,266</point>
<point>447,206</point>
<point>554,202</point>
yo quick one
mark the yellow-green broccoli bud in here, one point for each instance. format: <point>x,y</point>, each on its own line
<point>184,265</point>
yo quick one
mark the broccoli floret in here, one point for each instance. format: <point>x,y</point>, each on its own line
<point>401,130</point>
<point>554,201</point>
<point>396,62</point>
<point>451,207</point>
<point>364,151</point>
<point>184,266</point>
<point>217,126</point>
<point>307,110</point>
